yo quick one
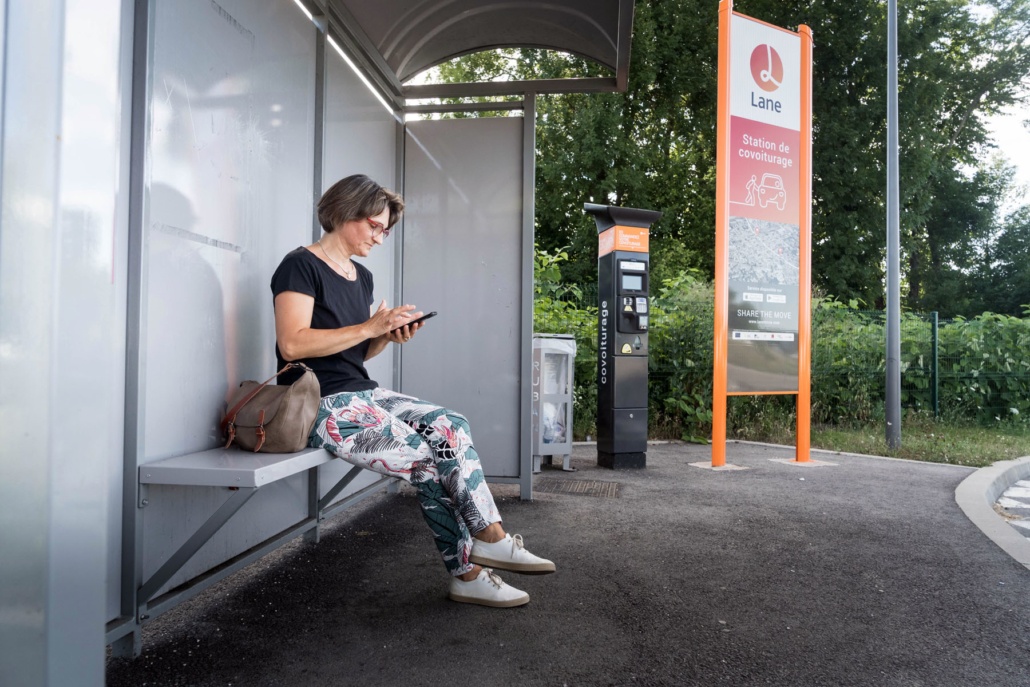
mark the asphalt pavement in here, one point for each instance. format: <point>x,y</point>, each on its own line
<point>864,572</point>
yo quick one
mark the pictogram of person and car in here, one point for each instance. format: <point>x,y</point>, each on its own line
<point>769,192</point>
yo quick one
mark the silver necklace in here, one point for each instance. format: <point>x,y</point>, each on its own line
<point>349,273</point>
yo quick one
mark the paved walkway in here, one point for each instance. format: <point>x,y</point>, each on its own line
<point>863,573</point>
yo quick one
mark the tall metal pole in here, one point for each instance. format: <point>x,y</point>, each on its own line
<point>893,381</point>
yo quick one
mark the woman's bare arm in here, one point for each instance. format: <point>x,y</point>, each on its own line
<point>298,340</point>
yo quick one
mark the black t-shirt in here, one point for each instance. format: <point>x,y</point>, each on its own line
<point>339,303</point>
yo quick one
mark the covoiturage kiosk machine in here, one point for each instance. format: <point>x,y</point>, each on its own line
<point>623,317</point>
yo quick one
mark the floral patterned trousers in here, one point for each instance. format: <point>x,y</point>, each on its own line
<point>429,446</point>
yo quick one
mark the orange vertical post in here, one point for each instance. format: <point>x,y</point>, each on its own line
<point>804,415</point>
<point>722,208</point>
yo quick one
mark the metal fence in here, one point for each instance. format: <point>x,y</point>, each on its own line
<point>956,369</point>
<point>976,368</point>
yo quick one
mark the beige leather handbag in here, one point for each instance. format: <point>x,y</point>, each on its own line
<point>272,418</point>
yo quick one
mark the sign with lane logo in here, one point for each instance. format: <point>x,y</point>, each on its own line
<point>763,217</point>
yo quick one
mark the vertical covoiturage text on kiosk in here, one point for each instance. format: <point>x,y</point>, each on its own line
<point>623,276</point>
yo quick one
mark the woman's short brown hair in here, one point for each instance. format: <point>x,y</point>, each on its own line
<point>354,198</point>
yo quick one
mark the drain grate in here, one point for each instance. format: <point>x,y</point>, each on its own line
<point>583,487</point>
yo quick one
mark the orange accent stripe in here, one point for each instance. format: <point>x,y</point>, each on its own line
<point>765,23</point>
<point>605,242</point>
<point>804,414</point>
<point>722,217</point>
<point>761,393</point>
<point>632,239</point>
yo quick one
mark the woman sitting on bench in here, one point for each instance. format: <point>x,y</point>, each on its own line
<point>324,317</point>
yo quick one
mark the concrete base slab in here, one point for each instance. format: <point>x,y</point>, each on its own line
<point>805,464</point>
<point>721,468</point>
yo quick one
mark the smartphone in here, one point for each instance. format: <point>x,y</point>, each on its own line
<point>419,320</point>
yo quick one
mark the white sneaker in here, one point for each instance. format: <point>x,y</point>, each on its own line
<point>509,554</point>
<point>487,590</point>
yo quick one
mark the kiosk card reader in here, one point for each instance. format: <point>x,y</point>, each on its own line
<point>632,294</point>
<point>623,281</point>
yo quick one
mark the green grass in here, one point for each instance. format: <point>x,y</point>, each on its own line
<point>931,440</point>
<point>954,441</point>
<point>958,442</point>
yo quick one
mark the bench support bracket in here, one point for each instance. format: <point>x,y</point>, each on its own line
<point>337,488</point>
<point>193,544</point>
<point>314,535</point>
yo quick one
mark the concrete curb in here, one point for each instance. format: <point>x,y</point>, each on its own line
<point>976,496</point>
<point>831,452</point>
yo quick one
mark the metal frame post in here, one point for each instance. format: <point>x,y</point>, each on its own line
<point>893,354</point>
<point>321,75</point>
<point>803,442</point>
<point>398,246</point>
<point>722,212</point>
<point>135,330</point>
<point>528,235</point>
<point>935,361</point>
<point>321,21</point>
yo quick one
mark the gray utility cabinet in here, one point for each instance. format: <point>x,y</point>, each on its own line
<point>554,362</point>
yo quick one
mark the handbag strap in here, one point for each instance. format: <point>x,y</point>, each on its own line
<point>230,415</point>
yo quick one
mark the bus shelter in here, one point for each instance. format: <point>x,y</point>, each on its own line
<point>159,158</point>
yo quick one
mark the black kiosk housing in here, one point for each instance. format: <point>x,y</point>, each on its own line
<point>623,286</point>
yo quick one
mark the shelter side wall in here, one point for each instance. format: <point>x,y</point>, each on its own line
<point>463,185</point>
<point>228,193</point>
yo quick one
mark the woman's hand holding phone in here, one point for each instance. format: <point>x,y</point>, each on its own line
<point>420,320</point>
<point>403,333</point>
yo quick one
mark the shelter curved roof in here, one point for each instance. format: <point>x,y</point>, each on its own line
<point>405,37</point>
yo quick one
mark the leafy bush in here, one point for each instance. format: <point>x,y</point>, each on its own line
<point>984,372</point>
<point>681,357</point>
<point>557,310</point>
<point>848,368</point>
<point>985,368</point>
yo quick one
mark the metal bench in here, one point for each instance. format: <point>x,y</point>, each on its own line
<point>243,473</point>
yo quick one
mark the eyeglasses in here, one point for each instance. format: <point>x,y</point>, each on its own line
<point>378,229</point>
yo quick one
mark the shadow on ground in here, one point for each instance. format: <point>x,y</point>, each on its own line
<point>864,573</point>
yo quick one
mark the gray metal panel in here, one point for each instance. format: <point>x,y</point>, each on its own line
<point>463,257</point>
<point>174,513</point>
<point>229,193</point>
<point>630,381</point>
<point>27,294</point>
<point>62,290</point>
<point>231,467</point>
<point>360,138</point>
<point>232,111</point>
<point>91,307</point>
<point>27,240</point>
<point>413,35</point>
<point>334,470</point>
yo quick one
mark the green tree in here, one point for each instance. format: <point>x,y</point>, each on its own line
<point>654,145</point>
<point>1010,273</point>
<point>950,269</point>
<point>958,64</point>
